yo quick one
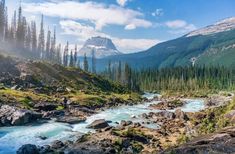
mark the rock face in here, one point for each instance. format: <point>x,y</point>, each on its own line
<point>98,124</point>
<point>45,106</point>
<point>13,116</point>
<point>221,142</point>
<point>102,47</point>
<point>28,149</point>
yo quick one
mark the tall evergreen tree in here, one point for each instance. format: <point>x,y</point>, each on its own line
<point>28,39</point>
<point>53,46</point>
<point>6,28</point>
<point>2,19</point>
<point>41,39</point>
<point>75,57</point>
<point>85,63</point>
<point>48,45</point>
<point>119,72</point>
<point>65,56</point>
<point>20,36</point>
<point>71,60</point>
<point>58,54</point>
<point>34,38</point>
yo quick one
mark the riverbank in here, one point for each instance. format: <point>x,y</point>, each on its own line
<point>127,117</point>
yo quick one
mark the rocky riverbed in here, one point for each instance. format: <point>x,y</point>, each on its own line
<point>110,126</point>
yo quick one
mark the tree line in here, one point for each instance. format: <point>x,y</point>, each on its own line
<point>24,37</point>
<point>178,78</point>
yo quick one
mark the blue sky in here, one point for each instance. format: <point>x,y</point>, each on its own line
<point>133,25</point>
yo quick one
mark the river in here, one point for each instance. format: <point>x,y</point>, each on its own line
<point>11,138</point>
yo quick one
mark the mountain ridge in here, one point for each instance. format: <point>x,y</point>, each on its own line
<point>101,46</point>
<point>214,49</point>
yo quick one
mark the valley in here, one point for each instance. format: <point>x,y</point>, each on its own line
<point>117,77</point>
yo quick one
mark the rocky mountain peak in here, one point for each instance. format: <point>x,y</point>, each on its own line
<point>221,26</point>
<point>101,46</point>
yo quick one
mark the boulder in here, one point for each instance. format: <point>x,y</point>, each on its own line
<point>218,142</point>
<point>98,124</point>
<point>70,120</point>
<point>10,115</point>
<point>125,123</point>
<point>57,144</point>
<point>28,149</point>
<point>166,114</point>
<point>179,114</point>
<point>45,106</point>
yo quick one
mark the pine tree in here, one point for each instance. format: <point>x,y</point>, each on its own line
<point>20,29</point>
<point>34,38</point>
<point>41,40</point>
<point>119,72</point>
<point>58,54</point>
<point>71,60</point>
<point>6,28</point>
<point>85,63</point>
<point>53,46</point>
<point>28,39</point>
<point>2,19</point>
<point>93,62</point>
<point>48,45</point>
<point>65,56</point>
<point>75,57</point>
<point>12,33</point>
<point>109,70</point>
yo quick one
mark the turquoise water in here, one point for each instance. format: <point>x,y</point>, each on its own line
<point>11,138</point>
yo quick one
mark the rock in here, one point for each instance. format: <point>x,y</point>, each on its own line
<point>57,144</point>
<point>28,149</point>
<point>168,105</point>
<point>46,149</point>
<point>10,115</point>
<point>70,120</point>
<point>218,142</point>
<point>230,116</point>
<point>125,123</point>
<point>98,124</point>
<point>166,114</point>
<point>139,138</point>
<point>180,114</point>
<point>52,114</point>
<point>15,87</point>
<point>45,106</point>
<point>42,137</point>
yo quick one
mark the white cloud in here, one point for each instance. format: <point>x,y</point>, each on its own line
<point>134,45</point>
<point>179,26</point>
<point>122,2</point>
<point>83,32</point>
<point>96,13</point>
<point>130,27</point>
<point>176,24</point>
<point>158,12</point>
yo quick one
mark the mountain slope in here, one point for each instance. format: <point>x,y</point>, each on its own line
<point>102,47</point>
<point>213,45</point>
<point>21,81</point>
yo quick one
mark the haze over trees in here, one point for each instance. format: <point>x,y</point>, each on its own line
<point>24,38</point>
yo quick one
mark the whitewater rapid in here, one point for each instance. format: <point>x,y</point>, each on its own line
<point>11,138</point>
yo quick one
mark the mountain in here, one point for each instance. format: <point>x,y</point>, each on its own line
<point>212,45</point>
<point>101,46</point>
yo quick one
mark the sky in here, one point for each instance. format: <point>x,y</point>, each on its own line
<point>133,25</point>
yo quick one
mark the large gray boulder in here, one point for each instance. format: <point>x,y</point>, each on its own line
<point>10,115</point>
<point>98,124</point>
<point>28,149</point>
